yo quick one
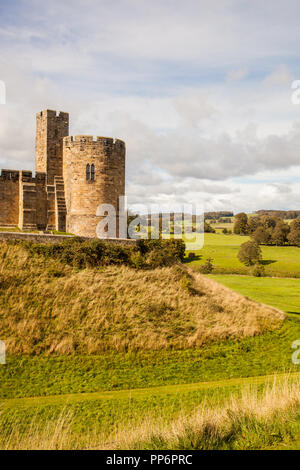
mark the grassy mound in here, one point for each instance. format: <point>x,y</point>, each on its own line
<point>52,307</point>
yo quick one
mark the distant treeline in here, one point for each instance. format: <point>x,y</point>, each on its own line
<point>268,230</point>
<point>217,215</point>
<point>292,214</point>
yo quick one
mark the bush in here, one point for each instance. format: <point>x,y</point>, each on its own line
<point>81,253</point>
<point>249,253</point>
<point>258,270</point>
<point>191,256</point>
<point>207,267</point>
<point>159,257</point>
<point>186,284</point>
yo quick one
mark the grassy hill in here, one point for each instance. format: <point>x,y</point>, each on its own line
<point>47,306</point>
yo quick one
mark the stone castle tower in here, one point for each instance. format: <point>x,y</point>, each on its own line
<point>74,175</point>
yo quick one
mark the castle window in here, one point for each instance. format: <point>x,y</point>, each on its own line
<point>88,174</point>
<point>92,172</point>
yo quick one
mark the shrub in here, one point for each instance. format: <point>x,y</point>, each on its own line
<point>81,253</point>
<point>258,270</point>
<point>159,257</point>
<point>249,253</point>
<point>137,260</point>
<point>186,284</point>
<point>191,256</point>
<point>207,267</point>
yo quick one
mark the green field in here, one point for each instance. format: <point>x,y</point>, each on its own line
<point>278,260</point>
<point>281,293</point>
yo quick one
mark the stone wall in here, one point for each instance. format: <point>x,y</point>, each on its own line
<point>9,198</point>
<point>32,201</point>
<point>83,195</point>
<point>47,238</point>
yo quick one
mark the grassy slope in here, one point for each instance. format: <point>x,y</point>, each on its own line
<point>278,261</point>
<point>52,308</point>
<point>41,375</point>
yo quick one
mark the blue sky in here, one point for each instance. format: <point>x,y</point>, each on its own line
<point>199,90</point>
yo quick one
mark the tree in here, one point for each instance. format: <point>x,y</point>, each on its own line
<point>254,223</point>
<point>208,228</point>
<point>280,233</point>
<point>241,224</point>
<point>249,253</point>
<point>261,236</point>
<point>294,235</point>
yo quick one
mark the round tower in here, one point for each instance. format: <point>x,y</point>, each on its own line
<point>94,174</point>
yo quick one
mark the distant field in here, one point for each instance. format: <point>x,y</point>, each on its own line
<point>281,293</point>
<point>278,260</point>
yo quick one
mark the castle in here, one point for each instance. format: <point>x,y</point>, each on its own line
<point>73,176</point>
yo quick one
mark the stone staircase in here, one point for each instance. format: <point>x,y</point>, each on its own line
<point>60,204</point>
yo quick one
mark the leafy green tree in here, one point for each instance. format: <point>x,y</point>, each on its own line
<point>241,226</point>
<point>254,223</point>
<point>280,233</point>
<point>208,228</point>
<point>249,253</point>
<point>261,236</point>
<point>294,235</point>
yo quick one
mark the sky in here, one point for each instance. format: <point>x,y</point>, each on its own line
<point>200,91</point>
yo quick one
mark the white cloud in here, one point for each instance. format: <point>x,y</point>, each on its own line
<point>280,76</point>
<point>238,74</point>
<point>181,83</point>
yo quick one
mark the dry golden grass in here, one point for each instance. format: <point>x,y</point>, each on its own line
<point>255,419</point>
<point>49,307</point>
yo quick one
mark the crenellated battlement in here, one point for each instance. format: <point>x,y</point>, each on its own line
<point>10,175</point>
<point>93,140</point>
<point>51,113</point>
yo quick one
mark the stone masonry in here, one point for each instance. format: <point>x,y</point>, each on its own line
<point>73,176</point>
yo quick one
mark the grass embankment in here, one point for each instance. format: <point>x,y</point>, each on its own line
<point>50,375</point>
<point>281,261</point>
<point>46,306</point>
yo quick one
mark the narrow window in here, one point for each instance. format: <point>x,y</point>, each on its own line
<point>92,172</point>
<point>87,172</point>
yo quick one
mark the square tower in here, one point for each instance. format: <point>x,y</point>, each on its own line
<point>51,128</point>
